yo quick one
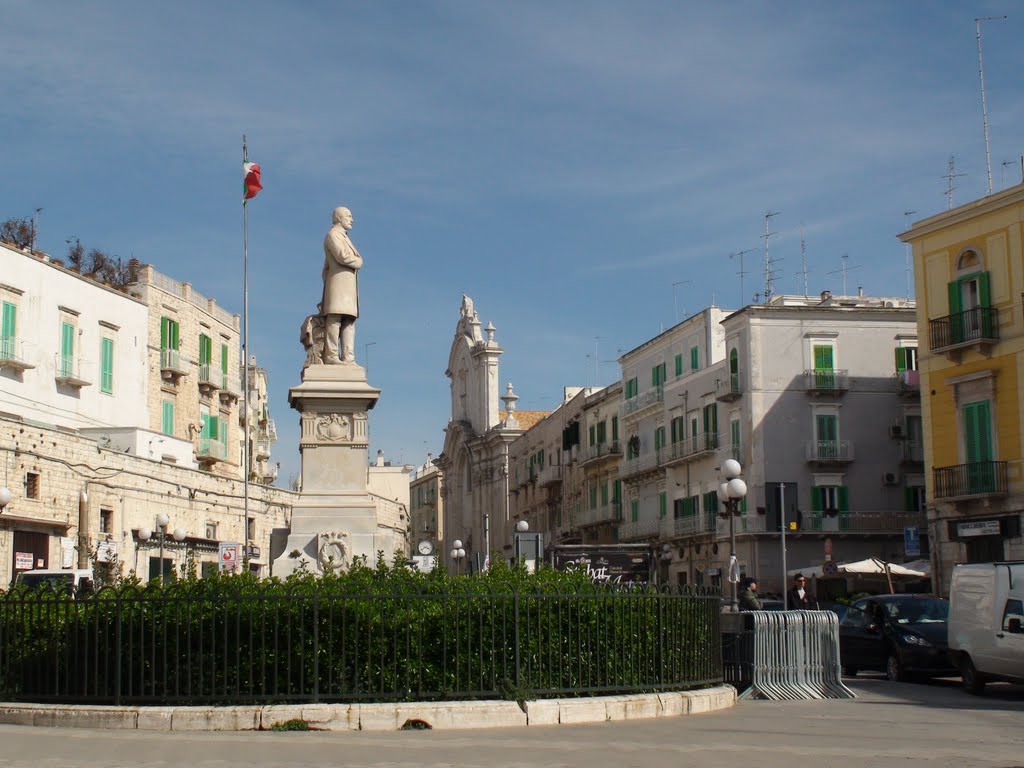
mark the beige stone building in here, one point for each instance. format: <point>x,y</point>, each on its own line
<point>426,509</point>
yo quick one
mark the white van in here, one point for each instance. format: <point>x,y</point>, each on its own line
<point>67,580</point>
<point>986,613</point>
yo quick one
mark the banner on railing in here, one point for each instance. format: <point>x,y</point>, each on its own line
<point>605,564</point>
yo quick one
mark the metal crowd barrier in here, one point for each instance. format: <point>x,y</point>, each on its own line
<point>784,655</point>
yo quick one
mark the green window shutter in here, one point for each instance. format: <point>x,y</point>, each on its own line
<point>954,297</point>
<point>9,328</point>
<point>694,358</point>
<point>167,420</point>
<point>604,493</point>
<point>224,358</point>
<point>163,333</point>
<point>214,428</point>
<point>823,357</point>
<point>734,361</point>
<point>175,341</point>
<point>662,505</point>
<point>593,433</point>
<point>205,349</point>
<point>977,432</point>
<point>634,510</point>
<point>602,433</point>
<point>168,333</point>
<point>675,437</point>
<point>67,340</point>
<point>826,428</point>
<point>204,420</point>
<point>593,497</point>
<point>679,364</point>
<point>615,429</point>
<point>107,365</point>
<point>617,491</point>
<point>908,499</point>
<point>817,502</point>
<point>984,294</point>
<point>844,498</point>
<point>901,359</point>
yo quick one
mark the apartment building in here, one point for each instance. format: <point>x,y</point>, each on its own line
<point>426,509</point>
<point>116,404</point>
<point>969,272</point>
<point>596,445</point>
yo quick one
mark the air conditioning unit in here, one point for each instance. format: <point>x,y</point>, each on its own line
<point>896,431</point>
<point>890,478</point>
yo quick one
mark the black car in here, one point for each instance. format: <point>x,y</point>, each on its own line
<point>901,635</point>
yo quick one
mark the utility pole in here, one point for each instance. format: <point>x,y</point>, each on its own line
<point>984,108</point>
<point>906,226</point>
<point>769,274</point>
<point>741,273</point>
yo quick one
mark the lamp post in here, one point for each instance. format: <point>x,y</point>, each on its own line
<point>5,496</point>
<point>528,547</point>
<point>458,555</point>
<point>162,521</point>
<point>730,493</point>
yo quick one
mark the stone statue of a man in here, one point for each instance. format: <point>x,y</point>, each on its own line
<point>340,306</point>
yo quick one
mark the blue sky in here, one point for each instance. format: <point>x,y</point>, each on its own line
<point>562,163</point>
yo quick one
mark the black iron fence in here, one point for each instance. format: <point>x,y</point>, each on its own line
<point>140,646</point>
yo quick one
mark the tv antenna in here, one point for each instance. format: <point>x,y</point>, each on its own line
<point>742,272</point>
<point>803,257</point>
<point>906,226</point>
<point>844,269</point>
<point>769,272</point>
<point>675,304</point>
<point>950,175</point>
<point>984,108</point>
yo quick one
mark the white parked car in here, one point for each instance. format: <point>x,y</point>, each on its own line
<point>986,623</point>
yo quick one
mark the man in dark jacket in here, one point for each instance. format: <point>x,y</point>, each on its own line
<point>748,595</point>
<point>798,598</point>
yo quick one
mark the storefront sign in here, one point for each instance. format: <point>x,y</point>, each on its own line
<point>228,556</point>
<point>979,528</point>
<point>23,561</point>
<point>609,565</point>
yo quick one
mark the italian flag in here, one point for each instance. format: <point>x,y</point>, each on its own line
<point>251,184</point>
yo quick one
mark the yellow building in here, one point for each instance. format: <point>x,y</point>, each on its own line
<point>969,273</point>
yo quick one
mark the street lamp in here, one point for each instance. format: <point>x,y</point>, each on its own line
<point>162,521</point>
<point>458,554</point>
<point>730,493</point>
<point>5,496</point>
<point>528,548</point>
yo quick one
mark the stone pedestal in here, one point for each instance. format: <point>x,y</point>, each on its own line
<point>335,518</point>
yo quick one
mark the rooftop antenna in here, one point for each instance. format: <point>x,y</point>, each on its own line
<point>984,108</point>
<point>675,304</point>
<point>742,272</point>
<point>769,274</point>
<point>906,226</point>
<point>844,269</point>
<point>1002,172</point>
<point>35,229</point>
<point>803,257</point>
<point>950,175</point>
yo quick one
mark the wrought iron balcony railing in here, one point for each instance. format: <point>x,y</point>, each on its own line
<point>972,326</point>
<point>964,481</point>
<point>827,381</point>
<point>212,449</point>
<point>172,362</point>
<point>829,451</point>
<point>71,371</point>
<point>599,452</point>
<point>13,353</point>
<point>651,397</point>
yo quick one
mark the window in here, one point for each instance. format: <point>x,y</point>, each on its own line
<point>1014,610</point>
<point>593,435</point>
<point>826,431</point>
<point>634,510</point>
<point>978,453</point>
<point>913,498</point>
<point>906,359</point>
<point>67,349</point>
<point>107,365</point>
<point>631,388</point>
<point>106,520</point>
<point>830,498</point>
<point>250,529</point>
<point>679,364</point>
<point>168,333</point>
<point>167,417</point>
<point>224,359</point>
<point>593,496</point>
<point>686,507</point>
<point>602,432</point>
<point>678,429</point>
<point>969,297</point>
<point>8,331</point>
<point>711,425</point>
<point>617,491</point>
<point>31,485</point>
<point>205,357</point>
<point>694,358</point>
<point>615,429</point>
<point>658,375</point>
<point>662,505</point>
<point>659,438</point>
<point>604,494</point>
<point>711,501</point>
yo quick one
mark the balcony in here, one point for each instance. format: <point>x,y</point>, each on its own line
<point>270,429</point>
<point>642,465</point>
<point>12,354</point>
<point>690,449</point>
<point>595,454</point>
<point>261,448</point>
<point>830,382</point>
<point>908,384</point>
<point>550,476</point>
<point>829,451</point>
<point>642,529</point>
<point>728,389</point>
<point>912,452</point>
<point>173,365</point>
<point>639,404</point>
<point>748,522</point>
<point>867,523</point>
<point>734,451</point>
<point>694,525</point>
<point>970,481</point>
<point>230,388</point>
<point>71,371</point>
<point>210,378</point>
<point>607,513</point>
<point>211,451</point>
<point>978,326</point>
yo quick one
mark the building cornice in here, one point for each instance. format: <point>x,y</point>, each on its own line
<point>964,213</point>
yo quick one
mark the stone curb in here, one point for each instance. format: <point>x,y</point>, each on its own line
<point>445,715</point>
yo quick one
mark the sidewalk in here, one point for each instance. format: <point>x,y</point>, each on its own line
<point>889,724</point>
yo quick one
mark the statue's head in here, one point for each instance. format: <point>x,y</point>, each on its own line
<point>343,216</point>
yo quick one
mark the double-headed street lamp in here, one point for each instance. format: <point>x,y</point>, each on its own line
<point>162,521</point>
<point>730,493</point>
<point>458,554</point>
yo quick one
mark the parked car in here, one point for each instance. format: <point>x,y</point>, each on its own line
<point>68,580</point>
<point>901,635</point>
<point>986,611</point>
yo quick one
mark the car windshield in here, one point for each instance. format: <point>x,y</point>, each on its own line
<point>918,611</point>
<point>58,581</point>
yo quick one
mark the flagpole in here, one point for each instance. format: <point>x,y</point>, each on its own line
<point>246,454</point>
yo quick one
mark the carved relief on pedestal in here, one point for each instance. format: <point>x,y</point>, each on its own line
<point>333,428</point>
<point>333,554</point>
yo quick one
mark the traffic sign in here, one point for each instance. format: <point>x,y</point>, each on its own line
<point>830,568</point>
<point>912,541</point>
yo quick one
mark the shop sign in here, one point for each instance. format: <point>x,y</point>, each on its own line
<point>23,561</point>
<point>228,556</point>
<point>979,528</point>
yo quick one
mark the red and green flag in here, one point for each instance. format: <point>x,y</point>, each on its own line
<point>251,185</point>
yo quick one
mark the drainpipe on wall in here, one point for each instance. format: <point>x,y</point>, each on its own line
<point>83,529</point>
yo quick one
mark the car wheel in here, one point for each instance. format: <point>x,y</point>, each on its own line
<point>973,681</point>
<point>894,669</point>
<point>849,670</point>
